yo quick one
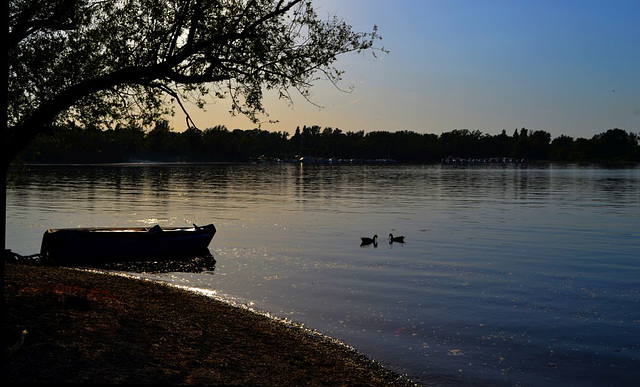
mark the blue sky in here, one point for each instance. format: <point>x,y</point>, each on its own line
<point>566,66</point>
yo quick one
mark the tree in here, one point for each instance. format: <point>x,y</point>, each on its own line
<point>539,145</point>
<point>561,148</point>
<point>614,144</point>
<point>160,139</point>
<point>97,63</point>
<point>104,62</point>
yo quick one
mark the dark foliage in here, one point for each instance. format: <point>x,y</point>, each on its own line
<point>126,144</point>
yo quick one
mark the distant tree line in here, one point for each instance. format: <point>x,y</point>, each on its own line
<point>70,144</point>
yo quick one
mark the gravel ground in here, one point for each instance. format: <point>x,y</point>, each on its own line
<point>87,327</point>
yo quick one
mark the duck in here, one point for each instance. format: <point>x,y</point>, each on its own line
<point>399,239</point>
<point>368,241</point>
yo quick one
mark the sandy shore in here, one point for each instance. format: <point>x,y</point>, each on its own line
<point>85,327</point>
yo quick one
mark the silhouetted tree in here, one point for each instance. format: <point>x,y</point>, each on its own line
<point>461,143</point>
<point>216,143</point>
<point>614,144</point>
<point>297,142</point>
<point>580,150</point>
<point>561,148</point>
<point>99,63</point>
<point>538,144</point>
<point>73,144</point>
<point>103,62</point>
<point>161,142</point>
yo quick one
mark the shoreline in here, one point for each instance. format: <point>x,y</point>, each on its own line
<point>92,327</point>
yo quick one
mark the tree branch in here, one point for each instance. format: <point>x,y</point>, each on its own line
<point>172,93</point>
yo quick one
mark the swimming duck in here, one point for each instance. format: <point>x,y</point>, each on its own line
<point>368,241</point>
<point>399,239</point>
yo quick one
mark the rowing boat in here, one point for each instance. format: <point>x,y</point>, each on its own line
<point>79,246</point>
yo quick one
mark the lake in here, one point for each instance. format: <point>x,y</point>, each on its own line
<point>510,275</point>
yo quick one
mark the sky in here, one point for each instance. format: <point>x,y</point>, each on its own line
<point>568,67</point>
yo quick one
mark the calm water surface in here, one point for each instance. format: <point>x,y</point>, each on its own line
<point>510,275</point>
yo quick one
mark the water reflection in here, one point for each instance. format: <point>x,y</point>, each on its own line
<point>192,263</point>
<point>204,262</point>
<point>312,183</point>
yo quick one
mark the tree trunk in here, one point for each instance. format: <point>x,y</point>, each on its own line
<point>5,147</point>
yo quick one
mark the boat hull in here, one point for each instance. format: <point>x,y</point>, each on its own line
<point>81,246</point>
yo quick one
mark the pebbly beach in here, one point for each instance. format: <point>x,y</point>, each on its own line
<point>64,325</point>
